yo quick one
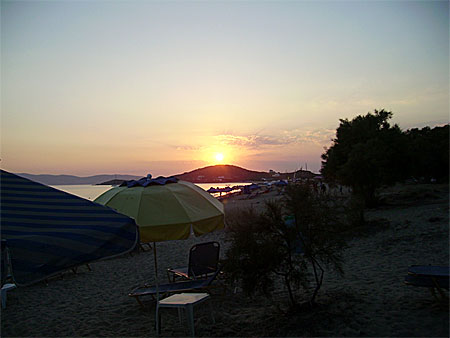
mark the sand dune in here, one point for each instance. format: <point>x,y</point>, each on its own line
<point>370,300</point>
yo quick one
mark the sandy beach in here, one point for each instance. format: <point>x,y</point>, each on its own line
<point>369,300</point>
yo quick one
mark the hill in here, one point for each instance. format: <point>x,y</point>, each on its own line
<point>231,173</point>
<point>221,173</point>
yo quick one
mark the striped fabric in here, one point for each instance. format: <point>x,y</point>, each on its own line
<point>49,231</point>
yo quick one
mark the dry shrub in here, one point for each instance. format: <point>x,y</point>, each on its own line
<point>294,240</point>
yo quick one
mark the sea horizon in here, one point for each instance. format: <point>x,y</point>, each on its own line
<point>91,192</point>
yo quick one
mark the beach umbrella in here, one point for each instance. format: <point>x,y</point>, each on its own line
<point>249,188</point>
<point>165,209</point>
<point>48,231</point>
<point>212,190</point>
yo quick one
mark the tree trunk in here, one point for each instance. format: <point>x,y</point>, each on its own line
<point>291,295</point>
<point>318,281</point>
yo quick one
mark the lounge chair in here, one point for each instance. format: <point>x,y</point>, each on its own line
<point>203,261</point>
<point>431,276</point>
<point>171,288</point>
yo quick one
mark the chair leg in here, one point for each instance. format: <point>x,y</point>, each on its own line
<point>158,321</point>
<point>438,288</point>
<point>171,280</point>
<point>212,313</point>
<point>442,296</point>
<point>180,315</point>
<point>3,298</point>
<point>139,302</point>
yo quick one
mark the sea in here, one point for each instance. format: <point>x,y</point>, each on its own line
<point>91,192</point>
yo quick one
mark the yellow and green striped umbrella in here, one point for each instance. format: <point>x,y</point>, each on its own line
<point>166,211</point>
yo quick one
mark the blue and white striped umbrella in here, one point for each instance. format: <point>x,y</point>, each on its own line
<point>49,231</point>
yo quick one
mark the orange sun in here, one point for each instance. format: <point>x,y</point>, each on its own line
<point>219,157</point>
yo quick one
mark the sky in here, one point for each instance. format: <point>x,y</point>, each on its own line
<point>165,87</point>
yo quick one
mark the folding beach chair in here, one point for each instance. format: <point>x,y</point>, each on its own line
<point>171,288</point>
<point>203,260</point>
<point>433,277</point>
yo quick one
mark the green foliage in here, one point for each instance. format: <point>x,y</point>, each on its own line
<point>366,154</point>
<point>265,246</point>
<point>428,151</point>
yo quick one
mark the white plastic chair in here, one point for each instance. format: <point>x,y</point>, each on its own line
<point>5,289</point>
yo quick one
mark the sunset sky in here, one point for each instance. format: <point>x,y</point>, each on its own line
<point>137,87</point>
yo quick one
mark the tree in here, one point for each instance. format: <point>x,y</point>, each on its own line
<point>293,240</point>
<point>366,154</point>
<point>428,151</point>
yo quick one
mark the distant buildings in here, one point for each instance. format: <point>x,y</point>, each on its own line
<point>273,173</point>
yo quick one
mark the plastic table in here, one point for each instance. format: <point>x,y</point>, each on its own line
<point>180,301</point>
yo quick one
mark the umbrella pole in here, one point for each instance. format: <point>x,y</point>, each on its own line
<point>156,271</point>
<point>157,290</point>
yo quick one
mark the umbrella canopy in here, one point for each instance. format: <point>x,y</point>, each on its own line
<point>166,208</point>
<point>50,231</point>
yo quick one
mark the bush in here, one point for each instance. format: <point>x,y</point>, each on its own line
<point>292,239</point>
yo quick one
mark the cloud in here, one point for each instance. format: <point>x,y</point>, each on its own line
<point>283,138</point>
<point>312,136</point>
<point>250,141</point>
<point>187,148</point>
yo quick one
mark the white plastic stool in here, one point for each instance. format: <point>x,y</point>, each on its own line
<point>5,289</point>
<point>182,301</point>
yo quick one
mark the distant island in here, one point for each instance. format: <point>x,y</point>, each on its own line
<point>230,174</point>
<point>210,174</point>
<point>74,180</point>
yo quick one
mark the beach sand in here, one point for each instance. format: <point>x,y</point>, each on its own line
<point>369,300</point>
